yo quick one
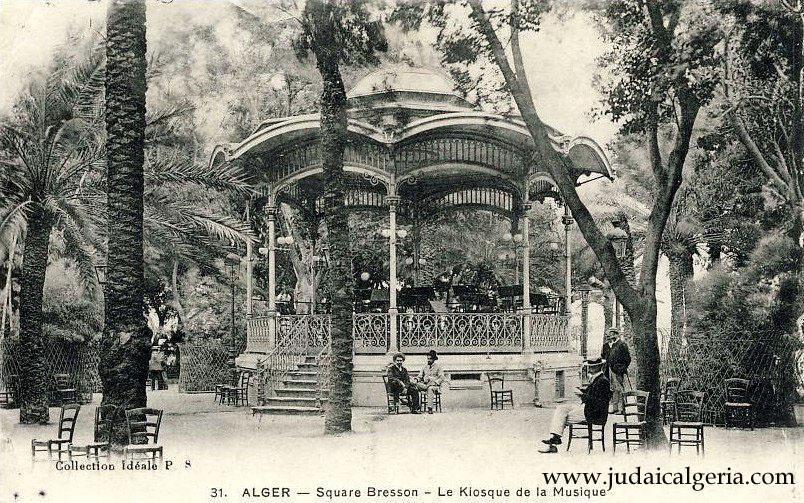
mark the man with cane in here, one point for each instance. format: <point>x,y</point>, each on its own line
<point>618,358</point>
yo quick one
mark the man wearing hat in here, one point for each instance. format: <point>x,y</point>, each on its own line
<point>618,358</point>
<point>430,379</point>
<point>399,383</point>
<point>593,407</point>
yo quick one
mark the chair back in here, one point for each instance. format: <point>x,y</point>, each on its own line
<point>62,381</point>
<point>143,425</point>
<point>671,387</point>
<point>244,380</point>
<point>737,390</point>
<point>385,381</point>
<point>689,405</point>
<point>634,405</point>
<point>104,420</point>
<point>496,382</point>
<point>67,419</point>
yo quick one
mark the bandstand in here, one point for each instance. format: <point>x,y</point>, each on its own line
<point>416,148</point>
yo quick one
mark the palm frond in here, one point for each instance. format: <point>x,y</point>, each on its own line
<point>75,231</point>
<point>171,169</point>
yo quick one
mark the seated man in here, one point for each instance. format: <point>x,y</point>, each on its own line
<point>593,407</point>
<point>399,383</point>
<point>430,379</point>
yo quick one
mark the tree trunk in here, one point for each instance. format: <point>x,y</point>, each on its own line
<point>125,347</point>
<point>333,140</point>
<point>174,284</point>
<point>680,273</point>
<point>33,371</point>
<point>646,349</point>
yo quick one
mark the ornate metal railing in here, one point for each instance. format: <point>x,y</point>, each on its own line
<point>460,332</point>
<point>418,332</point>
<point>309,330</point>
<point>549,332</point>
<point>274,367</point>
<point>371,332</point>
<point>258,334</point>
<point>323,361</point>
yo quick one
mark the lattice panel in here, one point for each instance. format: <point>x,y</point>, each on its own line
<point>549,332</point>
<point>370,332</point>
<point>80,361</point>
<point>203,365</point>
<point>769,362</point>
<point>460,332</point>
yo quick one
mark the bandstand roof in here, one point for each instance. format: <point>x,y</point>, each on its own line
<point>408,127</point>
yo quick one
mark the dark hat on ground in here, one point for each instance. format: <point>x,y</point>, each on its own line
<point>398,355</point>
<point>432,354</point>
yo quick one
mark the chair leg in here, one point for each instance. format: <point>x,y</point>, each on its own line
<point>569,440</point>
<point>589,438</point>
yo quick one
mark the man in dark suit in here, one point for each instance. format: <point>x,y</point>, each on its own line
<point>593,407</point>
<point>399,383</point>
<point>618,358</point>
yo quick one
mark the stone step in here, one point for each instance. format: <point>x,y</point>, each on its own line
<point>301,375</point>
<point>286,410</point>
<point>300,383</point>
<point>308,367</point>
<point>284,401</point>
<point>299,392</point>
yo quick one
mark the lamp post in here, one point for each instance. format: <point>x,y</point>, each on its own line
<point>618,241</point>
<point>583,291</point>
<point>232,260</point>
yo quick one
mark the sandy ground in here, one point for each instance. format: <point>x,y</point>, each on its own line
<point>217,447</point>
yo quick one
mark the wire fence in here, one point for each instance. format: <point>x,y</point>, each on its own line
<point>770,362</point>
<point>78,360</point>
<point>204,364</point>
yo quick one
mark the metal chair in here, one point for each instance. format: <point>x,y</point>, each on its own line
<point>143,432</point>
<point>668,400</point>
<point>65,390</point>
<point>631,432</point>
<point>60,444</point>
<point>688,429</point>
<point>499,396</point>
<point>738,408</point>
<point>101,445</point>
<point>587,430</point>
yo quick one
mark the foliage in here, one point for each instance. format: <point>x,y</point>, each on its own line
<point>69,315</point>
<point>742,324</point>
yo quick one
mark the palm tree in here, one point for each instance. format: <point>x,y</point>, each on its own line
<point>50,149</point>
<point>125,346</point>
<point>338,32</point>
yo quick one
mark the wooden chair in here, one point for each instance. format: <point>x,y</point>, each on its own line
<point>688,428</point>
<point>499,395</point>
<point>590,431</point>
<point>738,408</point>
<point>101,445</point>
<point>436,400</point>
<point>393,400</point>
<point>631,431</point>
<point>668,400</point>
<point>239,394</point>
<point>8,397</point>
<point>60,444</point>
<point>64,389</point>
<point>143,433</point>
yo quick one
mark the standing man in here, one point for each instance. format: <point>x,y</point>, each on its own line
<point>619,358</point>
<point>399,383</point>
<point>430,379</point>
<point>593,407</point>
